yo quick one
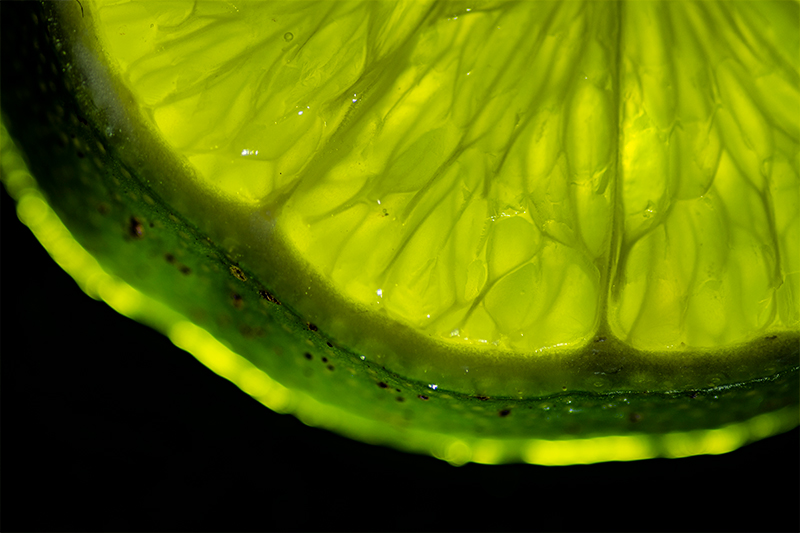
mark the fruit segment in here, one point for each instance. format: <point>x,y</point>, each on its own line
<point>710,188</point>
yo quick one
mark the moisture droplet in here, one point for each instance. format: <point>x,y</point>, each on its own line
<point>288,36</point>
<point>650,211</point>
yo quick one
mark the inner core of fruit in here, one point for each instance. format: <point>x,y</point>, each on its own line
<point>520,175</point>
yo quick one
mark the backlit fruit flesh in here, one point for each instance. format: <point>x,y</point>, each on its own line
<point>549,232</point>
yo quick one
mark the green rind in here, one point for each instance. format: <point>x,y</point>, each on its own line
<point>102,196</point>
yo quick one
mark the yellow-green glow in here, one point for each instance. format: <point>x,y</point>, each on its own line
<point>226,363</point>
<point>589,450</point>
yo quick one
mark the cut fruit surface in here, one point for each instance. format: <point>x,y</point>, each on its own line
<point>511,202</point>
<point>507,174</point>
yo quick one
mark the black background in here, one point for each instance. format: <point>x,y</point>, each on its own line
<point>107,426</point>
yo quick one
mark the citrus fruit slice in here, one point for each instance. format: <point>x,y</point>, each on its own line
<point>548,232</point>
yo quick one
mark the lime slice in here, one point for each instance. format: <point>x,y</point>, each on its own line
<point>551,232</point>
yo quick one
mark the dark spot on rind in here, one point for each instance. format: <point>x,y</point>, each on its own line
<point>422,397</point>
<point>635,417</point>
<point>324,359</point>
<point>237,272</point>
<point>330,367</point>
<point>771,337</point>
<point>170,258</point>
<point>312,327</point>
<point>237,300</point>
<point>135,228</point>
<point>482,398</point>
<point>400,399</point>
<point>185,270</point>
<point>308,356</point>
<point>268,297</point>
<point>329,345</point>
<point>504,413</point>
<point>382,385</point>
